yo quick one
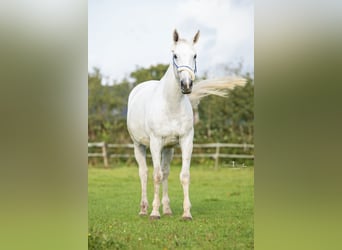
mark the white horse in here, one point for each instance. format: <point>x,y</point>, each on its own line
<point>160,116</point>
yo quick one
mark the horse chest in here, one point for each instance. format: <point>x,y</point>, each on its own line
<point>171,127</point>
<point>175,127</point>
<point>171,132</point>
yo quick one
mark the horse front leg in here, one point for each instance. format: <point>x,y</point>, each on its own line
<point>186,144</point>
<point>140,156</point>
<point>155,148</point>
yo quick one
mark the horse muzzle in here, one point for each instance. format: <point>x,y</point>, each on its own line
<point>186,86</point>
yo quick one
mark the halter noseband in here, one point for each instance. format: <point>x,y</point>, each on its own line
<point>187,68</point>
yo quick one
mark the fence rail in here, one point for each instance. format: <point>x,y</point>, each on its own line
<point>216,155</point>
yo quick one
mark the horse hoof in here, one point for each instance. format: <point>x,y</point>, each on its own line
<point>154,217</point>
<point>186,218</point>
<point>142,214</point>
<point>168,214</point>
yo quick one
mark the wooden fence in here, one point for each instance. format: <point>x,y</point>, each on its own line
<point>105,148</point>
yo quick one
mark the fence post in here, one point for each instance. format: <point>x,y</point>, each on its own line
<point>217,154</point>
<point>104,154</point>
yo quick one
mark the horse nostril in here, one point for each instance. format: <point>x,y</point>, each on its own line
<point>190,84</point>
<point>182,83</point>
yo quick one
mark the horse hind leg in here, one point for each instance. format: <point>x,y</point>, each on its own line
<point>140,156</point>
<point>167,155</point>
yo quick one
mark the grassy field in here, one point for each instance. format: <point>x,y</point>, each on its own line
<point>222,209</point>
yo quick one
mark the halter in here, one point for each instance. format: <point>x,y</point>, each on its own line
<point>180,68</point>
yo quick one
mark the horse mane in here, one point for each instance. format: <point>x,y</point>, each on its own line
<point>218,87</point>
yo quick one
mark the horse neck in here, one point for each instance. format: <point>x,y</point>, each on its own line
<point>171,87</point>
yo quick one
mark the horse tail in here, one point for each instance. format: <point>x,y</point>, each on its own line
<point>218,86</point>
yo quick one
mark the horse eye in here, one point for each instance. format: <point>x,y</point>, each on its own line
<point>195,56</point>
<point>175,56</point>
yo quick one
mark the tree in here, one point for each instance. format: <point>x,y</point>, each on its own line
<point>221,119</point>
<point>227,119</point>
<point>152,73</point>
<point>107,104</point>
<point>107,107</point>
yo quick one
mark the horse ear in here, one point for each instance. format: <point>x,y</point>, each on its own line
<point>175,36</point>
<point>196,37</point>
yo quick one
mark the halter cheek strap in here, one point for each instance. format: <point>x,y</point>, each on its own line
<point>191,71</point>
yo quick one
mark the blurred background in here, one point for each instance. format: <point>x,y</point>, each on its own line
<point>44,99</point>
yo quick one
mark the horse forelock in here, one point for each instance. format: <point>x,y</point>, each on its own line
<point>182,42</point>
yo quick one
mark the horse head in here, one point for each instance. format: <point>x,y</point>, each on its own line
<point>184,61</point>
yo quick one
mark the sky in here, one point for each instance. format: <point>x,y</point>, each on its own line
<point>126,34</point>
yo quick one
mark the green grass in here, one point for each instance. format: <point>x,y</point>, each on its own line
<point>222,209</point>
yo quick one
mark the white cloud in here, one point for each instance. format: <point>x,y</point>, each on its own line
<point>123,34</point>
<point>226,31</point>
